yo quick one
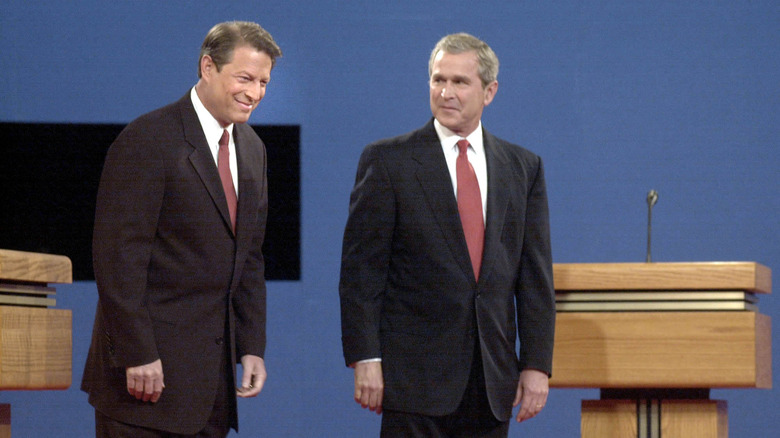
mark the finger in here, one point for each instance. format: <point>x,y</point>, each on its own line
<point>525,414</point>
<point>373,402</point>
<point>158,388</point>
<point>148,389</point>
<point>365,399</point>
<point>246,381</point>
<point>251,390</point>
<point>258,382</point>
<point>139,388</point>
<point>378,402</point>
<point>130,386</point>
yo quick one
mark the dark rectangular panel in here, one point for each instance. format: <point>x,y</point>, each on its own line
<point>49,174</point>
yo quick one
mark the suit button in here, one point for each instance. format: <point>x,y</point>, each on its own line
<point>219,341</point>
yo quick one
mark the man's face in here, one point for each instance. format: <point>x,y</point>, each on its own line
<point>457,95</point>
<point>232,93</point>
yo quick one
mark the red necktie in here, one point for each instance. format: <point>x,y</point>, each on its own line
<point>470,206</point>
<point>223,165</point>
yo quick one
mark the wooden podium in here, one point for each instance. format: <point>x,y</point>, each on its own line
<point>655,338</point>
<point>35,340</point>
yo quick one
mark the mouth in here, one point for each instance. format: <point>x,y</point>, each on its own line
<point>246,106</point>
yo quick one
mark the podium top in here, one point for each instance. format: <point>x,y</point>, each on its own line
<point>743,276</point>
<point>34,267</point>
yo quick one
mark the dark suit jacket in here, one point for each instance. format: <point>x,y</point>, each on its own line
<point>169,270</point>
<point>408,293</point>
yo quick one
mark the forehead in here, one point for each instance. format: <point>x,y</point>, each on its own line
<point>465,63</point>
<point>249,58</point>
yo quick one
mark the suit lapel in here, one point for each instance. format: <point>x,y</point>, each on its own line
<point>497,199</point>
<point>247,196</point>
<point>202,159</point>
<point>434,178</point>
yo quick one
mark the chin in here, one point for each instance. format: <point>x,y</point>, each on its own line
<point>241,119</point>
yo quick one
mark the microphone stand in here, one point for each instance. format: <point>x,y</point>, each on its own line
<point>652,198</point>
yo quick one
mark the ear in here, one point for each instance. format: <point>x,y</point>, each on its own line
<point>207,66</point>
<point>490,92</point>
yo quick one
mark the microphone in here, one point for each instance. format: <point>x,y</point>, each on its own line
<point>652,198</point>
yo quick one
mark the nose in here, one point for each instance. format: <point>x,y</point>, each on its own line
<point>255,92</point>
<point>445,93</point>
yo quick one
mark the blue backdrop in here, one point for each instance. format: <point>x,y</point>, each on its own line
<point>618,97</point>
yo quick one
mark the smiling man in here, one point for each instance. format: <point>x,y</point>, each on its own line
<point>179,224</point>
<point>446,261</point>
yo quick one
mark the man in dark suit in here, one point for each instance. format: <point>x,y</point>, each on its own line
<point>446,259</point>
<point>179,224</point>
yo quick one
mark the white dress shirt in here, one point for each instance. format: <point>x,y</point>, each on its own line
<point>213,132</point>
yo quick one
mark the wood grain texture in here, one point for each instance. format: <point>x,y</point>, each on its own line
<point>694,419</point>
<point>745,276</point>
<point>662,350</point>
<point>608,419</point>
<point>35,267</point>
<point>35,348</point>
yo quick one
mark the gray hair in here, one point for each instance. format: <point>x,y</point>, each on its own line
<point>463,42</point>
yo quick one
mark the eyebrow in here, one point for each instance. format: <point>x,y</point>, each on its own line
<point>464,78</point>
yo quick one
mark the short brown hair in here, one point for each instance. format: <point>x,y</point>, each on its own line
<point>225,37</point>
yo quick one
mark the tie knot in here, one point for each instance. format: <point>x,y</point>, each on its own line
<point>223,141</point>
<point>463,146</point>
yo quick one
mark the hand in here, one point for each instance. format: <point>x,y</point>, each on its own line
<point>253,377</point>
<point>145,382</point>
<point>532,389</point>
<point>369,385</point>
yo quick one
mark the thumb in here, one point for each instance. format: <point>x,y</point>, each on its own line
<point>518,395</point>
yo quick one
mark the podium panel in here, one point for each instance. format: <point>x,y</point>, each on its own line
<point>662,350</point>
<point>609,419</point>
<point>35,348</point>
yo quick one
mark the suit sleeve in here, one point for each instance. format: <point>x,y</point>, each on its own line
<point>128,205</point>
<point>365,257</point>
<point>535,293</point>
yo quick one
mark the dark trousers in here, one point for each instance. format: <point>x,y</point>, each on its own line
<point>472,419</point>
<point>106,427</point>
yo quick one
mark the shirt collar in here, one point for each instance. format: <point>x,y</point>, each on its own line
<point>449,139</point>
<point>210,125</point>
